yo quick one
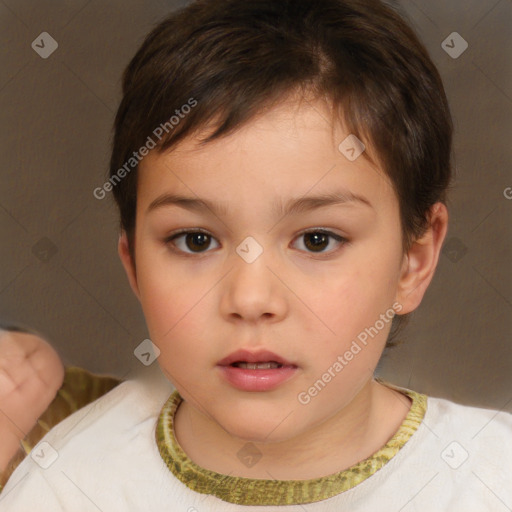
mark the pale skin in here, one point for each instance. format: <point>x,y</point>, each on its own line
<point>304,305</point>
<point>31,372</point>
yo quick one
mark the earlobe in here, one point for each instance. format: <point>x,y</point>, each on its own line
<point>420,262</point>
<point>123,250</point>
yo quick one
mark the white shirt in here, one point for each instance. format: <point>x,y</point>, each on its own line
<point>105,458</point>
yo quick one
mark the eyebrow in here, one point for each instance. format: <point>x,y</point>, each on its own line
<point>292,206</point>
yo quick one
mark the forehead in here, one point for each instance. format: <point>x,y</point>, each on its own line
<point>288,152</point>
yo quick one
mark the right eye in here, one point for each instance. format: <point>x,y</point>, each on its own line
<point>197,241</point>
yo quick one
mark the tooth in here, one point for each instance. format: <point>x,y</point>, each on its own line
<point>258,366</point>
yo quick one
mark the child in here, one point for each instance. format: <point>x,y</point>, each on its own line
<point>36,393</point>
<point>280,169</point>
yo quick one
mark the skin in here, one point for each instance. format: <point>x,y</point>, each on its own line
<point>31,373</point>
<point>304,305</point>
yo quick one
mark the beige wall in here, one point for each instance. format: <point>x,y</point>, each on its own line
<point>59,269</point>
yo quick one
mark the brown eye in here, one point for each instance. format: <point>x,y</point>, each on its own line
<point>191,242</point>
<point>318,240</point>
<point>197,241</point>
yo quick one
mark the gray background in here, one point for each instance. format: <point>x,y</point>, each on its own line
<point>60,273</point>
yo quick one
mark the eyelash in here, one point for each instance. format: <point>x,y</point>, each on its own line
<point>170,239</point>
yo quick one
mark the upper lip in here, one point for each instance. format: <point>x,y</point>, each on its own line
<point>261,356</point>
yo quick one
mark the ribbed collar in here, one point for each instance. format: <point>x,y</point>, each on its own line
<point>249,491</point>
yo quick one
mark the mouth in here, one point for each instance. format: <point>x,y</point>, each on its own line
<point>256,371</point>
<point>252,360</point>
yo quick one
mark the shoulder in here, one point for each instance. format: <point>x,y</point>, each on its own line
<point>458,458</point>
<point>119,411</point>
<point>452,419</point>
<point>470,436</point>
<point>464,456</point>
<point>111,436</point>
<point>467,421</point>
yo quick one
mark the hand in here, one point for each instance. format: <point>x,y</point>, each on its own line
<point>31,373</point>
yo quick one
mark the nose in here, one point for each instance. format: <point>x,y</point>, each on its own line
<point>253,291</point>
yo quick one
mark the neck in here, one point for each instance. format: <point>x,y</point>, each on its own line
<point>351,435</point>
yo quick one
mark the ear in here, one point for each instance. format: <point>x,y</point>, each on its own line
<point>420,262</point>
<point>128,264</point>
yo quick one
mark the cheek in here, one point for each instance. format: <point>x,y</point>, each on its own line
<point>349,304</point>
<point>174,305</point>
<point>176,323</point>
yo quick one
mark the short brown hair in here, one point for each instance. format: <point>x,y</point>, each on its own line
<point>236,58</point>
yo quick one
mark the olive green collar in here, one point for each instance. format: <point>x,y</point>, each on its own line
<point>249,491</point>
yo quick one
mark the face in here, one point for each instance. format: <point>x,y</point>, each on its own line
<point>278,244</point>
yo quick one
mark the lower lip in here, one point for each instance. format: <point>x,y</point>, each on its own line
<point>257,380</point>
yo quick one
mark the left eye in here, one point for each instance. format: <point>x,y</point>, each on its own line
<point>318,240</point>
